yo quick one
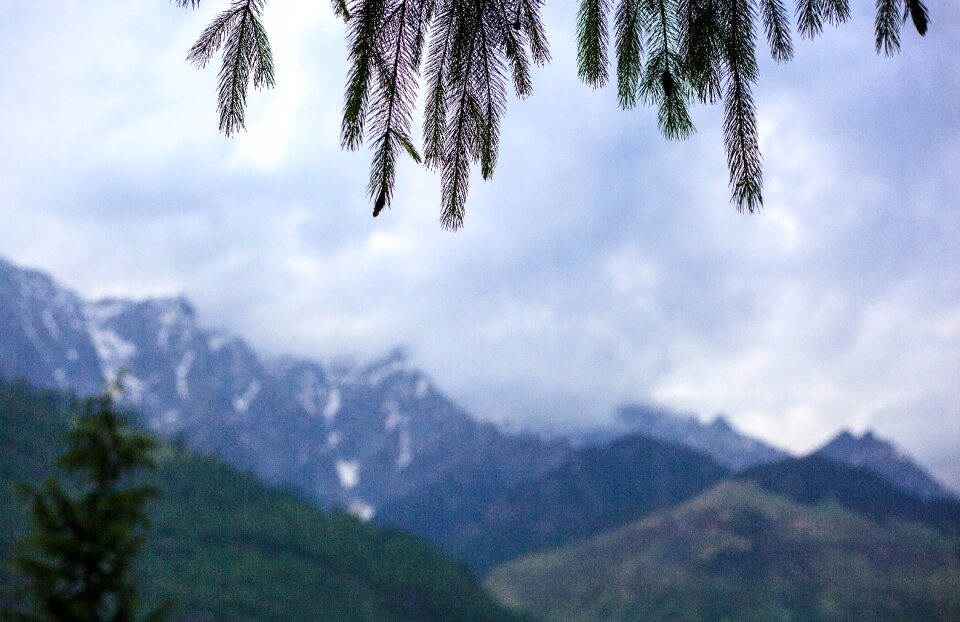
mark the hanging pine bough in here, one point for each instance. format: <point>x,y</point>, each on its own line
<point>669,53</point>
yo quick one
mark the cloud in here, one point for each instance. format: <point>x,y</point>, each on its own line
<point>601,264</point>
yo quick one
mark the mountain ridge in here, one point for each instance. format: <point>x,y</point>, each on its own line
<point>358,436</point>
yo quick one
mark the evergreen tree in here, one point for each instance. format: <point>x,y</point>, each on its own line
<point>669,53</point>
<point>89,527</point>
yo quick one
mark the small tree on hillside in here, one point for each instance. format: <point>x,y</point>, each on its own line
<point>89,527</point>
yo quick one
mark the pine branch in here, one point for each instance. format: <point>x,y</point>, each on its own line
<point>493,102</point>
<point>263,71</point>
<point>383,168</point>
<point>700,44</point>
<point>809,18</point>
<point>918,13</point>
<point>663,83</point>
<point>435,108</point>
<point>363,36</point>
<point>340,9</point>
<point>506,28</point>
<point>213,37</point>
<point>461,144</point>
<point>777,29</point>
<point>835,12</point>
<point>246,55</point>
<point>702,48</point>
<point>740,122</point>
<point>592,42</point>
<point>629,50</point>
<point>234,76</point>
<point>394,95</point>
<point>887,27</point>
<point>528,18</point>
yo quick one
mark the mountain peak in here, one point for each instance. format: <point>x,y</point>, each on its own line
<point>881,456</point>
<point>721,423</point>
<point>718,438</point>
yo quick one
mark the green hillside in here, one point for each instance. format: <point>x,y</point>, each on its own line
<point>595,489</point>
<point>226,547</point>
<point>739,553</point>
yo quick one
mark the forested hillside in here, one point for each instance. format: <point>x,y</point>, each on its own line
<point>737,552</point>
<point>226,547</point>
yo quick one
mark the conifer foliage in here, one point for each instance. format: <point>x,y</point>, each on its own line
<point>668,53</point>
<point>89,528</point>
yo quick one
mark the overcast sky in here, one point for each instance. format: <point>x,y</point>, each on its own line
<point>601,264</point>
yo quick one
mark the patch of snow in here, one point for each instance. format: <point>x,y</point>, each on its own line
<point>183,368</point>
<point>406,454</point>
<point>175,318</point>
<point>362,510</point>
<point>394,416</point>
<point>104,311</point>
<point>309,393</point>
<point>32,333</point>
<point>333,439</point>
<point>333,405</point>
<point>348,472</point>
<point>133,388</point>
<point>422,387</point>
<point>113,351</point>
<point>50,323</point>
<point>385,371</point>
<point>242,402</point>
<point>394,420</point>
<point>217,341</point>
<point>170,417</point>
<point>72,355</point>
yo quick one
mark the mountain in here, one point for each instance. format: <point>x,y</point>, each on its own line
<point>883,458</point>
<point>43,335</point>
<point>227,548</point>
<point>355,437</point>
<point>717,439</point>
<point>484,522</point>
<point>737,552</point>
<point>816,479</point>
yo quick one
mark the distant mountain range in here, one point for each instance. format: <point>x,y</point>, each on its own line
<point>365,437</point>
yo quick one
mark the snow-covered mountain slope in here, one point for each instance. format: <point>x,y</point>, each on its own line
<point>43,334</point>
<point>883,458</point>
<point>358,437</point>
